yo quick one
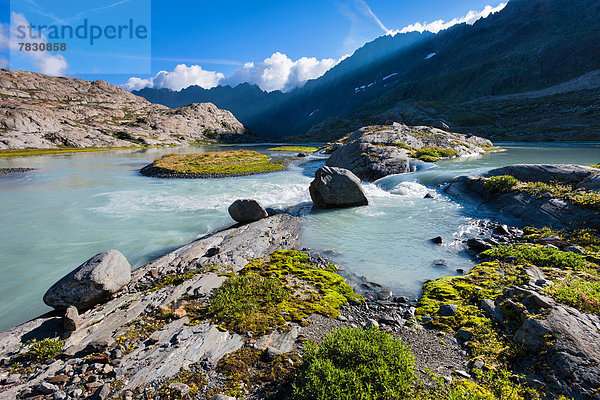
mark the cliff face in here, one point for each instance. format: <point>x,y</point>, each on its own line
<point>39,111</point>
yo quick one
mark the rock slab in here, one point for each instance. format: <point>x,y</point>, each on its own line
<point>336,188</point>
<point>91,283</point>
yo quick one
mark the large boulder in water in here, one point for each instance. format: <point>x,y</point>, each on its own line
<point>336,188</point>
<point>247,211</point>
<point>91,283</point>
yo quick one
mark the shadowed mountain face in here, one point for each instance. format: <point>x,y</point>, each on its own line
<point>525,73</point>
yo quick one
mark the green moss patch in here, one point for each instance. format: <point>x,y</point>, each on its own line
<point>295,149</point>
<point>353,363</point>
<point>268,293</point>
<point>578,292</point>
<point>544,257</point>
<point>217,164</point>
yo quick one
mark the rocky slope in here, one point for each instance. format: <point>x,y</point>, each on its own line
<point>138,342</point>
<point>39,111</point>
<point>373,152</point>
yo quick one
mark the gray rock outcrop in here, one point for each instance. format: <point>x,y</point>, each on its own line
<point>91,283</point>
<point>336,188</point>
<point>518,207</point>
<point>247,211</point>
<point>40,111</point>
<point>376,151</point>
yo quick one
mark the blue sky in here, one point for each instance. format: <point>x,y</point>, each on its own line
<point>220,37</point>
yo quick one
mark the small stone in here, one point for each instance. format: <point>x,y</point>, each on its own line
<point>221,397</point>
<point>164,309</point>
<point>181,388</point>
<point>116,353</point>
<point>60,395</point>
<point>102,392</point>
<point>448,379</point>
<point>179,313</point>
<point>460,270</point>
<point>478,364</point>
<point>77,393</point>
<point>401,299</point>
<point>71,320</point>
<point>462,374</point>
<point>107,369</point>
<point>428,196</point>
<point>425,319</point>
<point>574,249</point>
<point>437,240</point>
<point>383,294</point>
<point>478,245</point>
<point>463,334</point>
<point>76,379</point>
<point>342,318</point>
<point>371,323</point>
<point>440,263</point>
<point>448,310</point>
<point>58,379</point>
<point>47,388</point>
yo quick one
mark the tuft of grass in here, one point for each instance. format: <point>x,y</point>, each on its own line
<point>269,293</point>
<point>224,163</point>
<point>595,166</point>
<point>42,350</point>
<point>500,184</point>
<point>353,363</point>
<point>578,293</point>
<point>294,149</point>
<point>192,377</point>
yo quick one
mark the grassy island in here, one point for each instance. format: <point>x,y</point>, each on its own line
<point>295,149</point>
<point>212,165</point>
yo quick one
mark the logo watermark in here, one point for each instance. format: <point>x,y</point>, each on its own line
<point>72,37</point>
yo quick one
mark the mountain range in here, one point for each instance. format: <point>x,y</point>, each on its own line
<point>528,72</point>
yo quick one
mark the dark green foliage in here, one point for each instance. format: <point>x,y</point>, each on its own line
<point>500,184</point>
<point>353,363</point>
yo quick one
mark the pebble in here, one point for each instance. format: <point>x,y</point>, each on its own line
<point>371,323</point>
<point>437,240</point>
<point>574,249</point>
<point>60,395</point>
<point>342,318</point>
<point>463,334</point>
<point>47,388</point>
<point>182,388</point>
<point>448,310</point>
<point>462,373</point>
<point>179,313</point>
<point>478,364</point>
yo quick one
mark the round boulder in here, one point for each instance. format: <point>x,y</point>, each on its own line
<point>336,188</point>
<point>247,211</point>
<point>91,283</point>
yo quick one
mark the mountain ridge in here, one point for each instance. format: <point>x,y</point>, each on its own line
<point>529,45</point>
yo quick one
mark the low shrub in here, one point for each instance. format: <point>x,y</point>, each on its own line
<point>42,350</point>
<point>353,363</point>
<point>500,184</point>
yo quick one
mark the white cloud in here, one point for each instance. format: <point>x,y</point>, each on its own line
<point>439,25</point>
<point>45,62</point>
<point>181,77</point>
<point>277,72</point>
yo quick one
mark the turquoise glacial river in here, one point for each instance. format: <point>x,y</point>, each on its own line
<point>74,206</point>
